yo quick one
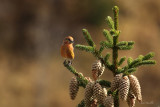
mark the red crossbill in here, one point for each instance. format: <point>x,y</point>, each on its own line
<point>67,50</point>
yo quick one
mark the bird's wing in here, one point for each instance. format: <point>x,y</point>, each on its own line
<point>70,53</point>
<point>63,51</point>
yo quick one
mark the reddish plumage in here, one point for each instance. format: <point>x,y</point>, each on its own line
<point>67,50</point>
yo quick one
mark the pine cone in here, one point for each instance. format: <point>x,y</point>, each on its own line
<point>101,70</point>
<point>115,83</point>
<point>124,87</point>
<point>98,93</point>
<point>135,87</point>
<point>88,94</point>
<point>131,99</point>
<point>97,69</point>
<point>97,65</point>
<point>73,88</point>
<point>108,102</point>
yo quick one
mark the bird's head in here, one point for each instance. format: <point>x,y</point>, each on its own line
<point>68,40</point>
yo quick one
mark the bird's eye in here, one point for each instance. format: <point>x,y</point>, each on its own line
<point>68,39</point>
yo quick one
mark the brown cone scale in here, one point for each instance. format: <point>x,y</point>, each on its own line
<point>73,88</point>
<point>88,94</point>
<point>135,87</point>
<point>97,69</point>
<point>124,87</point>
<point>98,93</point>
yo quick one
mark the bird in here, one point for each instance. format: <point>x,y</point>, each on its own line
<point>67,49</point>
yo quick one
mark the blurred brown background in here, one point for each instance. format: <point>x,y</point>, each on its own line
<point>31,32</point>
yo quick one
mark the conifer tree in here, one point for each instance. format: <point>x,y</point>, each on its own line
<point>123,82</point>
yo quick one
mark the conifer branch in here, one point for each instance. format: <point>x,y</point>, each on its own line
<point>115,39</point>
<point>115,49</point>
<point>82,81</point>
<point>125,43</point>
<point>96,53</point>
<point>101,49</point>
<point>146,62</point>
<point>114,32</point>
<point>110,22</point>
<point>116,99</point>
<point>148,56</point>
<point>104,83</point>
<point>88,38</point>
<point>108,36</point>
<point>85,48</point>
<point>133,64</point>
<point>106,58</point>
<point>122,43</point>
<point>129,71</point>
<point>81,104</point>
<point>129,61</point>
<point>121,61</point>
<point>116,13</point>
<point>106,61</point>
<point>130,43</point>
<point>128,47</point>
<point>106,44</point>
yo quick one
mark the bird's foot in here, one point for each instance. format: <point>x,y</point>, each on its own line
<point>65,62</point>
<point>69,62</point>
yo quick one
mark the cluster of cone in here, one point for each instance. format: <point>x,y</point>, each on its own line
<point>128,87</point>
<point>96,94</point>
<point>74,86</point>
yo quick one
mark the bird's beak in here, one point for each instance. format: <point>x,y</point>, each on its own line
<point>71,41</point>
